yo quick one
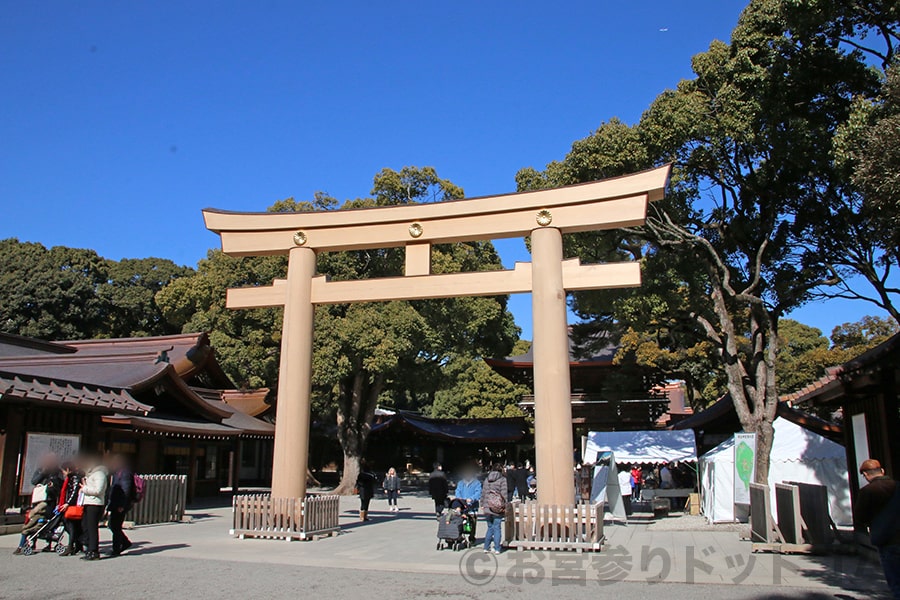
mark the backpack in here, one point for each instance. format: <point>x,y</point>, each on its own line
<point>495,502</point>
<point>137,489</point>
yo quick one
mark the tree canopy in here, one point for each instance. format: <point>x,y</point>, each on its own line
<point>740,239</point>
<point>72,293</point>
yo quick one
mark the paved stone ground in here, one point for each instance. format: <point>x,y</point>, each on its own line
<point>394,555</point>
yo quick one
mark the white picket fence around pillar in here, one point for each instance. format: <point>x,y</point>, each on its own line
<point>262,516</point>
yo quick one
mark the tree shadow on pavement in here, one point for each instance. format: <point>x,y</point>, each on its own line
<point>859,577</point>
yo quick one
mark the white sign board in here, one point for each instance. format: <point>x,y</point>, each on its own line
<point>744,466</point>
<point>860,444</point>
<point>37,445</point>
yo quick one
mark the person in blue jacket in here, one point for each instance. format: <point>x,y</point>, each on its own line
<point>469,489</point>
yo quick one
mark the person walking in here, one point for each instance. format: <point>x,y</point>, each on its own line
<point>878,508</point>
<point>510,474</point>
<point>637,479</point>
<point>532,482</point>
<point>365,485</point>
<point>121,497</point>
<point>392,489</point>
<point>438,488</point>
<point>625,488</point>
<point>71,504</point>
<point>521,481</point>
<point>94,486</point>
<point>493,505</point>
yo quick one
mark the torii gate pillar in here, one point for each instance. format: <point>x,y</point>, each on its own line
<point>295,379</point>
<point>552,407</point>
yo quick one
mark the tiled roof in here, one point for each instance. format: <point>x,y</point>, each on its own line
<point>248,425</point>
<point>722,416</point>
<point>173,426</point>
<point>189,353</point>
<point>15,386</point>
<point>251,402</point>
<point>829,380</point>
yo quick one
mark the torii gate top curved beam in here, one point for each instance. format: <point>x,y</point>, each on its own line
<point>616,202</point>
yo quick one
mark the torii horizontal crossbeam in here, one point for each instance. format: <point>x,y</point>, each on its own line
<point>481,283</point>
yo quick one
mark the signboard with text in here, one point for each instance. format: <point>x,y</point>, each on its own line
<point>37,445</point>
<point>744,466</point>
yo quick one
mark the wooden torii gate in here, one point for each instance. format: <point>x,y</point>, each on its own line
<point>544,215</point>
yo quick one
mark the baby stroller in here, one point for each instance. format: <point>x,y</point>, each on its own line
<point>456,527</point>
<point>52,530</point>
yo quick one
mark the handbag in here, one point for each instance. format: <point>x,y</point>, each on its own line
<point>74,513</point>
<point>39,493</point>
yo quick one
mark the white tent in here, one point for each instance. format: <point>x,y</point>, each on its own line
<point>797,455</point>
<point>642,446</point>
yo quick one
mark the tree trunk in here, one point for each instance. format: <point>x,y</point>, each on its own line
<point>351,471</point>
<point>751,379</point>
<point>356,411</point>
<point>765,436</point>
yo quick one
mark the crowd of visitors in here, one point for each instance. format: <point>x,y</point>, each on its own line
<point>474,493</point>
<point>78,494</point>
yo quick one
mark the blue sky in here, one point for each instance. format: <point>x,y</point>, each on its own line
<point>121,120</point>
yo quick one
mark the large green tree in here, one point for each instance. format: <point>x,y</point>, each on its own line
<point>737,243</point>
<point>862,233</point>
<point>72,293</point>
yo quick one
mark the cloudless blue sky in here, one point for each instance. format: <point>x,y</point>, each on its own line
<point>121,120</point>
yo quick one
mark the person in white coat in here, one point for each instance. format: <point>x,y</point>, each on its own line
<point>94,486</point>
<point>625,487</point>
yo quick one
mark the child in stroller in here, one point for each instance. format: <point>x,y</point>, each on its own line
<point>456,527</point>
<point>50,528</point>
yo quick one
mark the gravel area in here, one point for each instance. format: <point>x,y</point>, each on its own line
<point>695,523</point>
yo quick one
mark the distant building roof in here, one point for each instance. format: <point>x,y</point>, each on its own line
<point>678,409</point>
<point>590,361</point>
<point>722,417</point>
<point>495,430</point>
<point>19,345</point>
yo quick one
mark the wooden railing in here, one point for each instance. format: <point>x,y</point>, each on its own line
<point>262,516</point>
<point>534,526</point>
<point>164,500</point>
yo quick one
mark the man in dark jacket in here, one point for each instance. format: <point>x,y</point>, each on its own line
<point>438,488</point>
<point>878,507</point>
<point>121,497</point>
<point>365,486</point>
<point>521,478</point>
